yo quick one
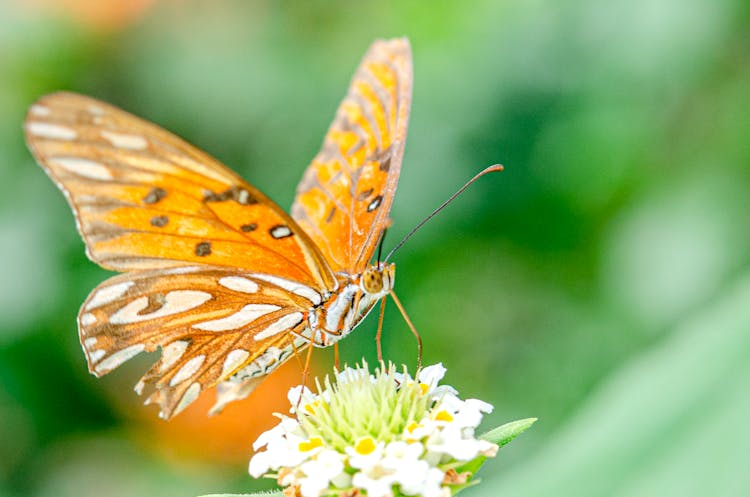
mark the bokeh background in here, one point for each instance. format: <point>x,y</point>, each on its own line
<point>601,283</point>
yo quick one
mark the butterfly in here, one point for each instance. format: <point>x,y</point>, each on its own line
<point>215,274</point>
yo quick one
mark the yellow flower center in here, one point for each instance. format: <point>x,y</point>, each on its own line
<point>365,446</point>
<point>311,444</point>
<point>443,415</point>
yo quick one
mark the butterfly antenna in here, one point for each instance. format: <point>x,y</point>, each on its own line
<point>491,169</point>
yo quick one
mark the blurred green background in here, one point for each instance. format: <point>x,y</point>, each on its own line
<point>601,283</point>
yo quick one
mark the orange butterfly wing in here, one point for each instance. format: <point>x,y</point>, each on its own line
<point>213,324</point>
<point>148,203</point>
<point>345,196</point>
<point>146,199</point>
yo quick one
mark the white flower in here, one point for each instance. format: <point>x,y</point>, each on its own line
<point>429,378</point>
<point>450,441</point>
<point>470,413</point>
<point>381,434</point>
<point>409,470</point>
<point>374,483</point>
<point>365,453</point>
<point>327,466</point>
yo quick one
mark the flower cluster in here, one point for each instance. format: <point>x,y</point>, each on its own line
<point>380,435</point>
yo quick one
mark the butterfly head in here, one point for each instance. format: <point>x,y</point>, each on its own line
<point>378,279</point>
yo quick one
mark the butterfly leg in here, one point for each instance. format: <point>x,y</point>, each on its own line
<point>336,356</point>
<point>411,327</point>
<point>295,351</point>
<point>305,373</point>
<point>379,334</point>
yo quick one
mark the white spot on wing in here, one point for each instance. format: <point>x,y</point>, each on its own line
<point>39,110</point>
<point>118,358</point>
<point>292,286</point>
<point>187,370</point>
<point>244,316</point>
<point>87,319</point>
<point>51,131</point>
<point>280,325</point>
<point>233,360</point>
<point>89,342</point>
<point>190,395</point>
<point>83,167</point>
<point>95,355</point>
<point>172,353</point>
<point>280,231</point>
<point>122,140</point>
<point>108,294</point>
<point>182,270</point>
<point>174,302</point>
<point>239,284</point>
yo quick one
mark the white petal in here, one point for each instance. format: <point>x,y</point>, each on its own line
<point>432,374</point>
<point>259,465</point>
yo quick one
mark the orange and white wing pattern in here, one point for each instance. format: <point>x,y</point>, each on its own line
<point>145,199</point>
<point>213,325</point>
<point>344,199</point>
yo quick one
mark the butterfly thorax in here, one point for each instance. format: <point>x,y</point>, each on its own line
<point>354,298</point>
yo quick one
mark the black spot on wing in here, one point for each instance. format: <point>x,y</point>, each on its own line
<point>155,195</point>
<point>203,249</point>
<point>247,228</point>
<point>239,195</point>
<point>159,221</point>
<point>375,203</point>
<point>365,194</point>
<point>330,214</point>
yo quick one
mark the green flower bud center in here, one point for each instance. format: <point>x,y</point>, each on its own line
<point>362,411</point>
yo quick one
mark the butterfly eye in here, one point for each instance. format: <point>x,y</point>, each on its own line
<point>372,281</point>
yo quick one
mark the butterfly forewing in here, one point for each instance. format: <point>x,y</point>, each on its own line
<point>345,196</point>
<point>210,323</point>
<point>145,199</point>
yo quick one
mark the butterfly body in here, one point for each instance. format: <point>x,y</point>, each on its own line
<point>335,318</point>
<point>214,274</point>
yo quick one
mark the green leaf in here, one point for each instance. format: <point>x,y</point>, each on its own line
<point>501,436</point>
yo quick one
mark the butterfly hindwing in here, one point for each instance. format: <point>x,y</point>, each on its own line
<point>209,322</point>
<point>146,199</point>
<point>345,196</point>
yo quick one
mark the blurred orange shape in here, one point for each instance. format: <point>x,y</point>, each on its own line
<point>109,15</point>
<point>226,437</point>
